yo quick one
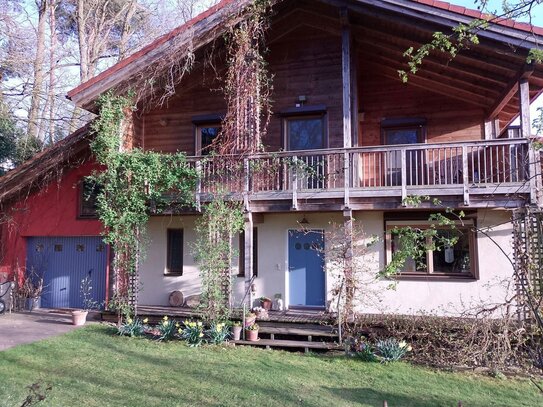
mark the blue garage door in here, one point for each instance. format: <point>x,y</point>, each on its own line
<point>64,262</point>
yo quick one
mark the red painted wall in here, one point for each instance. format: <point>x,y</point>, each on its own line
<point>51,211</point>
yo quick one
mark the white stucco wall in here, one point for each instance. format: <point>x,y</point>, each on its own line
<point>442,297</point>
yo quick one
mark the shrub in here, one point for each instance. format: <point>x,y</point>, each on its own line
<point>364,352</point>
<point>132,327</point>
<point>218,333</point>
<point>391,350</point>
<point>193,333</point>
<point>167,329</point>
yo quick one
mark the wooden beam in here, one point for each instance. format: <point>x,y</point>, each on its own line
<point>510,91</point>
<point>248,258</point>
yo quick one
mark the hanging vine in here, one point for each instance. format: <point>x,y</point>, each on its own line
<point>130,182</point>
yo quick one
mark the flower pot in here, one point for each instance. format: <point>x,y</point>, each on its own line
<point>79,317</point>
<point>250,320</point>
<point>32,303</point>
<point>251,335</point>
<point>266,304</point>
<point>236,330</point>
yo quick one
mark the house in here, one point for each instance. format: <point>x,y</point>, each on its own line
<point>340,108</point>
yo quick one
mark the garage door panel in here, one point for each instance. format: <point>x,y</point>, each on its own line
<point>64,262</point>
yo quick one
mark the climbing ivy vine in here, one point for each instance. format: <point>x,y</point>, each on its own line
<point>130,183</point>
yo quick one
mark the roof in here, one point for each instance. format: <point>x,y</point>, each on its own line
<point>506,22</point>
<point>37,170</point>
<point>194,33</point>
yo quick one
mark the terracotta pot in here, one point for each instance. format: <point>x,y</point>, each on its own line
<point>251,335</point>
<point>266,304</point>
<point>79,317</point>
<point>236,330</point>
<point>250,320</point>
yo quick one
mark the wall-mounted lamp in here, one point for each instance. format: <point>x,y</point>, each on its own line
<point>303,221</point>
<point>301,101</point>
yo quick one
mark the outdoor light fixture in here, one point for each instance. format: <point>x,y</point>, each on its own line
<point>304,221</point>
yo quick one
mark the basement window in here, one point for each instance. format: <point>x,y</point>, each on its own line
<point>174,255</point>
<point>457,261</point>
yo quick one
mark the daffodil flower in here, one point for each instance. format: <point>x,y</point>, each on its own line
<point>146,320</point>
<point>129,320</point>
<point>165,318</point>
<point>199,323</point>
<point>201,334</point>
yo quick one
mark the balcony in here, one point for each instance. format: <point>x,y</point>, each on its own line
<point>494,173</point>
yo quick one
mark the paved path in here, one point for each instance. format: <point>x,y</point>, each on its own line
<point>26,327</point>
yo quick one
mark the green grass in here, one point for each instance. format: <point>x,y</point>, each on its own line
<point>92,367</point>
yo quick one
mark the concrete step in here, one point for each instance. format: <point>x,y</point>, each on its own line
<point>286,330</point>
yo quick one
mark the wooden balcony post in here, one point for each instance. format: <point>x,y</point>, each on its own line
<point>198,185</point>
<point>248,258</point>
<point>346,77</point>
<point>534,164</point>
<point>294,182</point>
<point>404,174</point>
<point>346,178</point>
<point>465,174</point>
<point>247,183</point>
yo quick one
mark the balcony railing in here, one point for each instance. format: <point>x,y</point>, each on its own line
<point>489,167</point>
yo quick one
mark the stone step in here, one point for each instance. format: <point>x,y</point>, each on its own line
<point>279,343</point>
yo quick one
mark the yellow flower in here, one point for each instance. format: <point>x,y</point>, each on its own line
<point>199,323</point>
<point>146,320</point>
<point>129,320</point>
<point>165,323</point>
<point>409,348</point>
<point>180,330</point>
<point>219,328</point>
<point>177,324</point>
<point>402,344</point>
<point>165,318</point>
<point>201,334</point>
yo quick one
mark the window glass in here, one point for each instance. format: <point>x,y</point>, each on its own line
<point>305,133</point>
<point>207,134</point>
<point>88,203</point>
<point>435,255</point>
<point>174,264</point>
<point>402,136</point>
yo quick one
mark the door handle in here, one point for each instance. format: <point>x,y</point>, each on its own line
<point>63,289</point>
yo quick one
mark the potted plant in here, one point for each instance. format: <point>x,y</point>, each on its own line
<point>250,319</point>
<point>251,333</point>
<point>79,317</point>
<point>236,330</point>
<point>260,313</point>
<point>266,303</point>
<point>31,290</point>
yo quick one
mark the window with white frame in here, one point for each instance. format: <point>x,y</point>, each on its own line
<point>448,252</point>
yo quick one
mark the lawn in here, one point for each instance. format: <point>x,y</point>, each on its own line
<point>93,367</point>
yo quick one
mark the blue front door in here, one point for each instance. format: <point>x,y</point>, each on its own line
<point>306,268</point>
<point>63,262</point>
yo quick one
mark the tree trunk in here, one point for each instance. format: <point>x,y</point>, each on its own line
<point>52,69</point>
<point>34,109</point>
<point>82,41</point>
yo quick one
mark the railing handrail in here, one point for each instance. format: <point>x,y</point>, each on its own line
<point>377,148</point>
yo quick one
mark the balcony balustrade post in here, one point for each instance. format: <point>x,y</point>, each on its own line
<point>198,185</point>
<point>294,182</point>
<point>404,174</point>
<point>247,183</point>
<point>465,174</point>
<point>346,178</point>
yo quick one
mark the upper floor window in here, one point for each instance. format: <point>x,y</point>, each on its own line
<point>88,203</point>
<point>208,128</point>
<point>403,131</point>
<point>435,258</point>
<point>305,132</point>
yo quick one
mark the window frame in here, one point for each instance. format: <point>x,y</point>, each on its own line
<point>417,124</point>
<point>168,272</point>
<point>241,257</point>
<point>205,121</point>
<point>466,224</point>
<point>81,199</point>
<point>305,115</point>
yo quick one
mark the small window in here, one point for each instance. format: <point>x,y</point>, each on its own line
<point>305,132</point>
<point>88,204</point>
<point>403,131</point>
<point>174,263</point>
<point>80,248</point>
<point>58,248</point>
<point>241,266</point>
<point>456,260</point>
<point>206,133</point>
